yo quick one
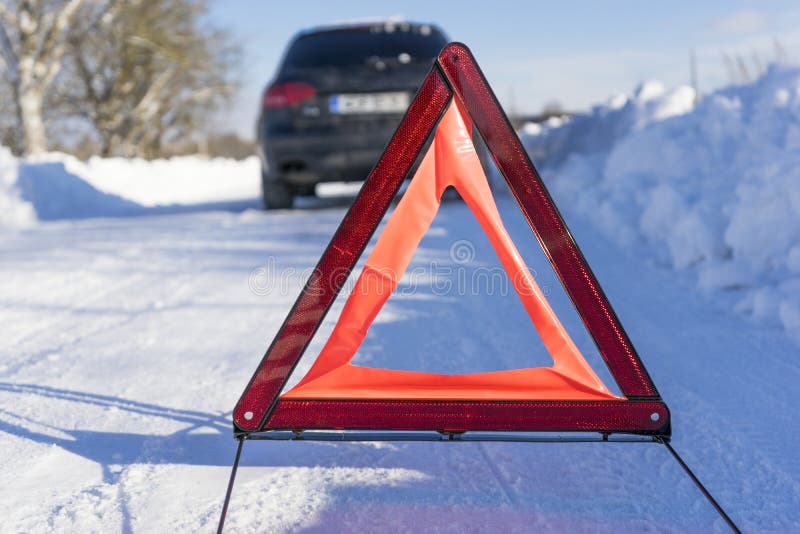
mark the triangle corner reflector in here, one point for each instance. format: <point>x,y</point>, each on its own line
<point>334,394</point>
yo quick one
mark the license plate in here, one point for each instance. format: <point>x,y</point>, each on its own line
<point>354,103</point>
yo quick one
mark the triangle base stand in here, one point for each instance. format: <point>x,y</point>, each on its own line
<point>460,437</point>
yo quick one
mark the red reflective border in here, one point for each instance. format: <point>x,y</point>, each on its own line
<point>470,87</point>
<point>464,80</point>
<point>460,416</point>
<point>342,253</point>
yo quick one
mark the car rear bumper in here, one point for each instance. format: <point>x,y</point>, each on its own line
<point>304,158</point>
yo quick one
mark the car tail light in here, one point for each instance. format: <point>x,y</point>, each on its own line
<point>285,94</point>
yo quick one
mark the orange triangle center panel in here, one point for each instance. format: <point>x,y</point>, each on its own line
<point>451,160</point>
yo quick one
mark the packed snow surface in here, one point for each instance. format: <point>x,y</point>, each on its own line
<point>134,315</point>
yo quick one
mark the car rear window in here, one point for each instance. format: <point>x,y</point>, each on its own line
<point>358,46</point>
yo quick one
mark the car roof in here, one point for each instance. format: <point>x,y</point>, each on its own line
<point>364,24</point>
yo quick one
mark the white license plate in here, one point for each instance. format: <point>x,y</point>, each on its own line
<point>395,102</point>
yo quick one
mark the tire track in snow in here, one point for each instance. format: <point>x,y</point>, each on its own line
<point>501,481</point>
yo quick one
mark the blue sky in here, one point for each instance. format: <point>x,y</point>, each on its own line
<point>575,52</point>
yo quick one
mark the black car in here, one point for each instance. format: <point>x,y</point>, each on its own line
<point>338,96</point>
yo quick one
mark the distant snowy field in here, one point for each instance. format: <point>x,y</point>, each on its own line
<point>133,316</point>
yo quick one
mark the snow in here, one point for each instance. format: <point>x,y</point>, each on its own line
<point>138,298</point>
<point>184,180</point>
<point>713,188</point>
<point>59,186</point>
<point>128,341</point>
<point>14,212</point>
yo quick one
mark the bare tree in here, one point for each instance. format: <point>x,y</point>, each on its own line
<point>147,72</point>
<point>780,50</point>
<point>693,74</point>
<point>744,73</point>
<point>552,108</point>
<point>730,68</point>
<point>32,46</point>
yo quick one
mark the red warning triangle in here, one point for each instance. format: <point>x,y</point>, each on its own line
<point>335,394</point>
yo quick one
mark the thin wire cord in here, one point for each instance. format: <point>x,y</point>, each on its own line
<point>230,485</point>
<point>701,487</point>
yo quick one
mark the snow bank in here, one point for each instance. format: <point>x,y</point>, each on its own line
<point>184,180</point>
<point>59,186</point>
<point>14,212</point>
<point>712,188</point>
<point>56,193</point>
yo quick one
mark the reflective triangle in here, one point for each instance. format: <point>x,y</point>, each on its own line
<point>338,395</point>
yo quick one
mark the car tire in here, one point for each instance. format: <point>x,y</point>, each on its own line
<point>276,195</point>
<point>306,191</point>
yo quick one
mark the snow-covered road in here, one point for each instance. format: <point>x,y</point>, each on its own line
<point>126,343</point>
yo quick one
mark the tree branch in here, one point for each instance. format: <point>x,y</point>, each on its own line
<point>9,17</point>
<point>146,108</point>
<point>7,50</point>
<point>53,44</point>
